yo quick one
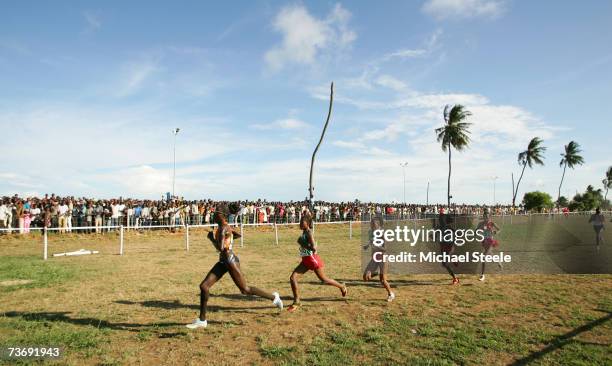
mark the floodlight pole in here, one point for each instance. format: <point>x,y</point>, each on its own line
<point>494,181</point>
<point>174,132</point>
<point>404,165</point>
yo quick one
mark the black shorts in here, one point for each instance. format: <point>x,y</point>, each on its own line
<point>376,267</point>
<point>222,266</point>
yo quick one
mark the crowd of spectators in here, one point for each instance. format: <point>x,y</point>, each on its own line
<point>21,214</point>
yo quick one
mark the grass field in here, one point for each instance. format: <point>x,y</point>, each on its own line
<point>110,309</point>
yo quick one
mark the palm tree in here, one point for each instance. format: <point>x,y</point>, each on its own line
<point>607,183</point>
<point>532,155</point>
<point>570,158</point>
<point>454,133</point>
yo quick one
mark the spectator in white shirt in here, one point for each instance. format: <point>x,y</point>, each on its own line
<point>62,215</point>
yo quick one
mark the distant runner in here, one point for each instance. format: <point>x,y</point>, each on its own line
<point>490,229</point>
<point>598,219</point>
<point>374,267</point>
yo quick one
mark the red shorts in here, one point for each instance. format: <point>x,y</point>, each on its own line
<point>312,262</point>
<point>491,242</point>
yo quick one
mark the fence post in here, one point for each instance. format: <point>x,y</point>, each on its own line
<point>350,229</point>
<point>276,233</point>
<point>121,240</point>
<point>241,236</point>
<point>45,244</point>
<point>187,237</point>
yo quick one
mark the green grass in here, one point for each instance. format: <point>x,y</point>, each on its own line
<point>32,268</point>
<point>131,309</point>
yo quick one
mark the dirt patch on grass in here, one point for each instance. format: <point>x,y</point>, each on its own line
<point>15,282</point>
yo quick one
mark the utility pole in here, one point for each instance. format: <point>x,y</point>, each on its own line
<point>404,165</point>
<point>174,132</point>
<point>494,181</point>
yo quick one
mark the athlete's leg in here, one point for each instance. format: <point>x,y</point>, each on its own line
<point>383,278</point>
<point>328,281</point>
<point>367,274</point>
<point>444,248</point>
<point>240,281</point>
<point>449,270</point>
<point>297,273</point>
<point>486,251</point>
<point>598,235</point>
<point>211,278</point>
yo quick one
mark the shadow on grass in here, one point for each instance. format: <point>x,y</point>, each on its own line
<point>64,317</point>
<point>175,304</point>
<point>375,282</point>
<point>564,339</point>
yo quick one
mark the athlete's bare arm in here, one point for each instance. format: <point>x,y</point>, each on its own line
<point>225,237</point>
<point>311,243</point>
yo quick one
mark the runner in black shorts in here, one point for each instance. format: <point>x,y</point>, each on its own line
<point>374,267</point>
<point>445,222</point>
<point>597,220</point>
<point>223,239</point>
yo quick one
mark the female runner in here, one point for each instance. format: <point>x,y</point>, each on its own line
<point>223,239</point>
<point>489,229</point>
<point>310,262</point>
<point>374,267</point>
<point>598,225</point>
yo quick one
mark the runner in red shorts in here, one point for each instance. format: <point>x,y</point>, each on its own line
<point>310,262</point>
<point>489,229</point>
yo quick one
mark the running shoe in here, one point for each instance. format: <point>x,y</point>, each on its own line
<point>482,278</point>
<point>277,301</point>
<point>455,281</point>
<point>293,307</point>
<point>391,297</point>
<point>197,324</point>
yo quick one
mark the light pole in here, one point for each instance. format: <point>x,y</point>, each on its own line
<point>427,199</point>
<point>174,132</point>
<point>404,165</point>
<point>494,181</point>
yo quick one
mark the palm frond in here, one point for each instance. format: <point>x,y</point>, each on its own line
<point>572,157</point>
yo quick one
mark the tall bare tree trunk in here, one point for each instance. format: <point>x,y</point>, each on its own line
<point>314,153</point>
<point>448,195</point>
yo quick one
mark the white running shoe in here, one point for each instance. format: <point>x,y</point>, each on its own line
<point>197,324</point>
<point>482,278</point>
<point>391,297</point>
<point>277,301</point>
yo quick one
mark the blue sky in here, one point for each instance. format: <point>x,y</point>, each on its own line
<point>89,94</point>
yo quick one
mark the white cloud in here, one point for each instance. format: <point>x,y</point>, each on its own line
<point>404,53</point>
<point>348,144</point>
<point>282,124</point>
<point>390,82</point>
<point>453,9</point>
<point>134,76</point>
<point>305,37</point>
